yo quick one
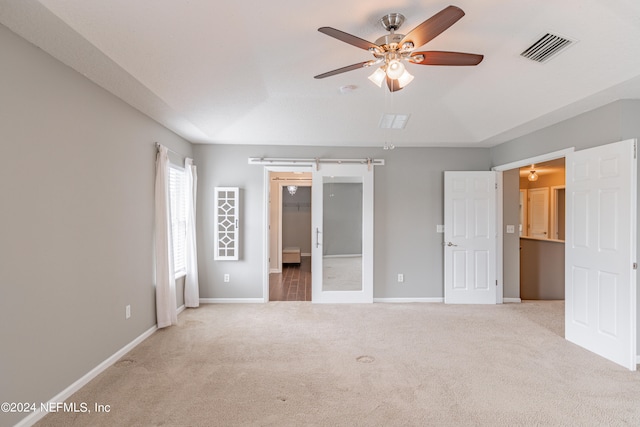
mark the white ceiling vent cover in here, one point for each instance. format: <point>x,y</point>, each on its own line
<point>394,121</point>
<point>546,47</point>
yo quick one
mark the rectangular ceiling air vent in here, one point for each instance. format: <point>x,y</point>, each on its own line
<point>546,47</point>
<point>393,121</point>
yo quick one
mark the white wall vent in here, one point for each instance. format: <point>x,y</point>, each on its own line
<point>546,47</point>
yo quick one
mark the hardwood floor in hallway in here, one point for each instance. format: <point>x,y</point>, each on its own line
<point>293,284</point>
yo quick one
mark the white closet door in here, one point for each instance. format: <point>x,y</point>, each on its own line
<point>470,238</point>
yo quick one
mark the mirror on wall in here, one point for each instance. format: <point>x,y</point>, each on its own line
<point>542,200</point>
<point>342,234</point>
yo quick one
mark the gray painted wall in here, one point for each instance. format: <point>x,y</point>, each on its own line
<point>76,223</point>
<point>614,122</point>
<point>408,203</point>
<point>296,219</point>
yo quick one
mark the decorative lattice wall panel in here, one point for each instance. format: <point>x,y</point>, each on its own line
<point>227,208</point>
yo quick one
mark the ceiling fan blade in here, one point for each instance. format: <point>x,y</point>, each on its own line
<point>342,70</point>
<point>348,38</point>
<point>434,57</point>
<point>433,26</point>
<point>393,85</point>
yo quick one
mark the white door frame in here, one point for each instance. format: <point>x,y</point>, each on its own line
<point>501,168</point>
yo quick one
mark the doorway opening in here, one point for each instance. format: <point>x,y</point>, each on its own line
<point>541,230</point>
<point>512,212</point>
<point>600,255</point>
<point>290,236</point>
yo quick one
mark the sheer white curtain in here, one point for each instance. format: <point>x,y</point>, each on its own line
<point>166,311</point>
<point>191,291</point>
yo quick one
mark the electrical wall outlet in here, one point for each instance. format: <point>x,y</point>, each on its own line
<point>226,277</point>
<point>127,312</point>
<point>400,278</point>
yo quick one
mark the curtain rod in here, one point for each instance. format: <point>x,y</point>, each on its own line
<point>169,149</point>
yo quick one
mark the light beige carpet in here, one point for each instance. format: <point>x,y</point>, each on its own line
<point>299,364</point>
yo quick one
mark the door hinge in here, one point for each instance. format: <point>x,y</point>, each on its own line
<point>634,149</point>
<point>496,282</point>
<point>635,265</point>
<point>496,185</point>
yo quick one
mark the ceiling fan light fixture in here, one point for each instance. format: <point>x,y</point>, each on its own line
<point>392,49</point>
<point>378,76</point>
<point>405,79</point>
<point>533,176</point>
<point>395,69</point>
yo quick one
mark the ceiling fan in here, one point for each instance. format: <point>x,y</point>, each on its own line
<point>391,50</point>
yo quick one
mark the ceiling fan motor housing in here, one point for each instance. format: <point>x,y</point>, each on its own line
<point>392,21</point>
<point>389,40</point>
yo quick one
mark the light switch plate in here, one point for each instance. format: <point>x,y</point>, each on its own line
<point>511,229</point>
<point>439,228</point>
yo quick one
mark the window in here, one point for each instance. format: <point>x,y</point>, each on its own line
<point>178,200</point>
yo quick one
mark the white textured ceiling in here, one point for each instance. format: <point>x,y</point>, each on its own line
<point>242,72</point>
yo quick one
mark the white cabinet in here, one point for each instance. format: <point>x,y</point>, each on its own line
<point>227,223</point>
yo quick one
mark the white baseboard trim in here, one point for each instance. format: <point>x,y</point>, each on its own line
<point>231,300</point>
<point>438,299</point>
<point>181,309</point>
<point>638,359</point>
<point>505,300</point>
<point>67,392</point>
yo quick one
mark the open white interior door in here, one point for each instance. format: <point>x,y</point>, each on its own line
<point>470,238</point>
<point>342,233</point>
<point>600,245</point>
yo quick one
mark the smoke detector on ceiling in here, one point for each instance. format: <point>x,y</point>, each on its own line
<point>347,89</point>
<point>546,47</point>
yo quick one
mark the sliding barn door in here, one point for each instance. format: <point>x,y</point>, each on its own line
<point>342,235</point>
<point>600,245</point>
